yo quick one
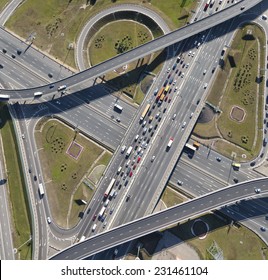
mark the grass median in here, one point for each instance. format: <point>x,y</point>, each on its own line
<point>21,229</point>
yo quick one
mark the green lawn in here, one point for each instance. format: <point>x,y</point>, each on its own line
<point>16,188</point>
<point>236,86</point>
<point>63,174</point>
<point>3,3</point>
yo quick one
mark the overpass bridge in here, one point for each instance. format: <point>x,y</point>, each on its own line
<point>139,52</point>
<point>163,219</point>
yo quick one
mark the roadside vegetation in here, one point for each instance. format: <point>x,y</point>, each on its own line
<point>3,3</point>
<point>67,159</point>
<point>238,93</point>
<point>21,228</point>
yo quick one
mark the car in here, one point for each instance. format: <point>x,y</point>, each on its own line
<point>157,115</point>
<point>166,98</point>
<point>111,211</point>
<point>50,75</point>
<point>144,130</point>
<point>175,89</point>
<point>169,100</point>
<point>4,50</point>
<point>104,224</point>
<point>128,197</point>
<point>118,120</point>
<point>103,217</point>
<point>213,69</point>
<point>205,71</point>
<point>143,124</point>
<point>30,170</point>
<point>155,127</point>
<point>13,56</point>
<point>19,51</point>
<point>22,136</point>
<point>130,174</point>
<point>242,8</point>
<point>51,86</point>
<point>115,194</point>
<point>153,158</point>
<point>198,45</point>
<point>218,159</point>
<point>1,66</point>
<point>94,217</point>
<point>187,65</point>
<point>126,182</point>
<point>235,180</point>
<point>134,167</point>
<point>35,178</point>
<point>168,70</point>
<point>257,190</point>
<point>174,83</point>
<point>195,19</point>
<point>205,85</point>
<point>49,220</point>
<point>264,17</point>
<point>179,73</point>
<point>174,116</point>
<point>191,115</point>
<point>198,101</point>
<point>189,53</point>
<point>263,229</point>
<point>179,182</point>
<point>87,101</point>
<point>183,125</point>
<point>182,75</point>
<point>156,91</point>
<point>139,159</point>
<point>193,53</point>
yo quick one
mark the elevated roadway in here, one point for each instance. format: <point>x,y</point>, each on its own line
<point>141,51</point>
<point>163,219</point>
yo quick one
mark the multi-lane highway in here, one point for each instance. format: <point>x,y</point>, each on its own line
<point>163,219</point>
<point>141,51</point>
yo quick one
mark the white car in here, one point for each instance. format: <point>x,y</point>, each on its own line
<point>180,182</point>
<point>205,85</point>
<point>174,116</point>
<point>168,70</point>
<point>143,124</point>
<point>153,157</point>
<point>193,54</point>
<point>49,220</point>
<point>190,53</point>
<point>184,124</point>
<point>182,75</point>
<point>257,190</point>
<point>187,65</point>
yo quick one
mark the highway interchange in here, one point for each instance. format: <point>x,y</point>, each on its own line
<point>73,108</point>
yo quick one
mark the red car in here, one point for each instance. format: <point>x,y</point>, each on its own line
<point>166,98</point>
<point>130,174</point>
<point>134,167</point>
<point>94,217</point>
<point>139,159</point>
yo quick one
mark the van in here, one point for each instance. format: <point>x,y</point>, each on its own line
<point>106,202</point>
<point>123,149</point>
<point>196,144</point>
<point>137,137</point>
<point>94,227</point>
<point>119,169</point>
<point>128,163</point>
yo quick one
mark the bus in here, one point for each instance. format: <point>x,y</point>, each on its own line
<point>41,189</point>
<point>101,213</point>
<point>191,147</point>
<point>167,88</point>
<point>109,188</point>
<point>38,94</point>
<point>118,108</point>
<point>159,93</point>
<point>4,96</point>
<point>236,165</point>
<point>145,112</point>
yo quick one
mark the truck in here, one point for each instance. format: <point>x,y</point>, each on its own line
<point>101,213</point>
<point>129,150</point>
<point>170,143</point>
<point>41,189</point>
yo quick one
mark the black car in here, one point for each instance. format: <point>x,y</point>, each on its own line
<point>50,75</point>
<point>19,51</point>
<point>4,50</point>
<point>35,178</point>
<point>13,56</point>
<point>30,170</point>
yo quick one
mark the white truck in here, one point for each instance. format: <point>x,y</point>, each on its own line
<point>170,143</point>
<point>129,150</point>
